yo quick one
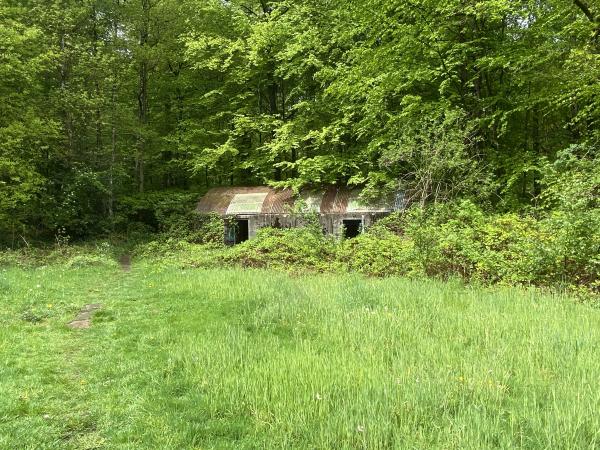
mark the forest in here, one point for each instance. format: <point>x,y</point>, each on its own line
<point>468,319</point>
<point>115,113</point>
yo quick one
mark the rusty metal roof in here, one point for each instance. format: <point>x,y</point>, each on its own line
<point>217,200</point>
<point>278,201</point>
<point>265,200</point>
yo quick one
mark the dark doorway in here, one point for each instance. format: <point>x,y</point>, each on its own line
<point>241,231</point>
<point>236,231</point>
<point>352,228</point>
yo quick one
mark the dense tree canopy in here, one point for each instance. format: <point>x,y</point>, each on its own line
<point>107,100</point>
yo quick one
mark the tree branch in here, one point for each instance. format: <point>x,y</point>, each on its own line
<point>595,20</point>
<point>586,10</point>
<point>249,10</point>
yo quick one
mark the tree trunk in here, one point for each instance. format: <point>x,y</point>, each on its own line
<point>98,112</point>
<point>582,5</point>
<point>143,94</point>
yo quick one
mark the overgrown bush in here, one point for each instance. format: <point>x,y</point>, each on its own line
<point>461,240</point>
<point>152,212</point>
<point>571,200</point>
<point>378,253</point>
<point>558,249</point>
<point>99,253</point>
<point>181,253</point>
<point>168,215</point>
<point>11,258</point>
<point>295,248</point>
<point>207,229</point>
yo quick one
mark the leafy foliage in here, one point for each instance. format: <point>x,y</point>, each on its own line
<point>557,249</point>
<point>103,101</point>
<point>378,253</point>
<point>290,249</point>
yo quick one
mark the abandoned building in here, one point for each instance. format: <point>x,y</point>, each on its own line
<point>247,209</point>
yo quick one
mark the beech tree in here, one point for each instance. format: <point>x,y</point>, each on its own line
<point>109,102</point>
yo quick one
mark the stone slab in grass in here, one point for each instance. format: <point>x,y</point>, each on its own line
<point>84,318</point>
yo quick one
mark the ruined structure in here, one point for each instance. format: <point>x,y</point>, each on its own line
<point>250,208</point>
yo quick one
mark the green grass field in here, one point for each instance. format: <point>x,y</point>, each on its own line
<point>201,359</point>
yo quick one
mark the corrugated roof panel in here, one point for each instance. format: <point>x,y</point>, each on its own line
<point>340,203</point>
<point>215,201</point>
<point>328,200</point>
<point>278,202</point>
<point>265,200</point>
<point>247,203</point>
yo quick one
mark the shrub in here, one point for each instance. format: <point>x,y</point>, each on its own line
<point>71,255</point>
<point>164,211</point>
<point>158,248</point>
<point>303,248</point>
<point>378,253</point>
<point>13,258</point>
<point>571,203</point>
<point>181,253</point>
<point>559,249</point>
<point>207,229</point>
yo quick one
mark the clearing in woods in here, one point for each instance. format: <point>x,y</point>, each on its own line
<point>255,359</point>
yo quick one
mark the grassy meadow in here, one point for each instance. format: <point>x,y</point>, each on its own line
<point>249,359</point>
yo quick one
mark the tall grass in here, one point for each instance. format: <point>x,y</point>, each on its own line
<point>188,359</point>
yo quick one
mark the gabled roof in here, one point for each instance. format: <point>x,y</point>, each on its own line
<point>265,200</point>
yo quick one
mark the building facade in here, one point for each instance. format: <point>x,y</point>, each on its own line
<point>247,209</point>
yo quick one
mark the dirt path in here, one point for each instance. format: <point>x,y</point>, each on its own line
<point>125,261</point>
<point>84,317</point>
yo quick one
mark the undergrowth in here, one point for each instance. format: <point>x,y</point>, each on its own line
<point>558,250</point>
